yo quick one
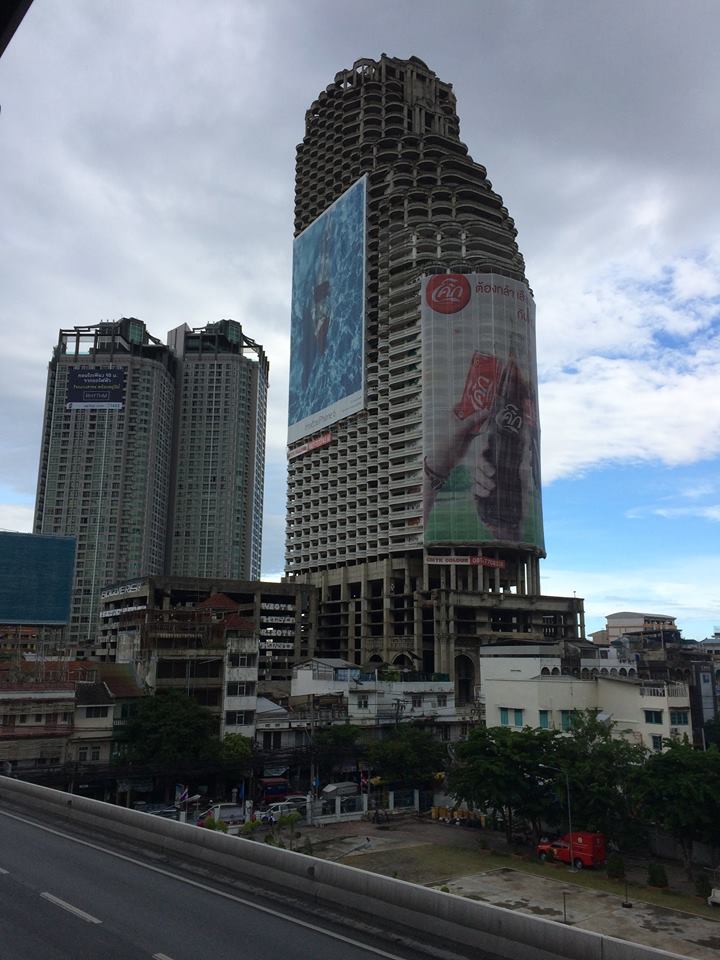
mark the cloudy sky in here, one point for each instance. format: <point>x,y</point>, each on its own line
<point>147,170</point>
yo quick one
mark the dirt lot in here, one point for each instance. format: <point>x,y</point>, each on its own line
<point>476,864</point>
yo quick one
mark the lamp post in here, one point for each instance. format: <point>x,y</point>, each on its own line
<point>546,766</point>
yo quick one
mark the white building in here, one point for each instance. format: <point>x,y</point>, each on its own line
<point>618,624</point>
<point>379,697</point>
<point>525,692</point>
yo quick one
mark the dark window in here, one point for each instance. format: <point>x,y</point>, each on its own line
<point>95,712</point>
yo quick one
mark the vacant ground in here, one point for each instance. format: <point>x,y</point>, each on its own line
<point>475,864</point>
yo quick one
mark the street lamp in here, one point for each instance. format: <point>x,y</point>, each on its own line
<point>546,766</point>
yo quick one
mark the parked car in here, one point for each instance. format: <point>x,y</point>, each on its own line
<point>347,788</point>
<point>230,813</point>
<point>277,810</point>
<point>586,849</point>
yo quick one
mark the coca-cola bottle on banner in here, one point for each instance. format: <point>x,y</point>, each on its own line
<point>502,510</point>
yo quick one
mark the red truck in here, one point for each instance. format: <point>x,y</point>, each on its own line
<point>579,848</point>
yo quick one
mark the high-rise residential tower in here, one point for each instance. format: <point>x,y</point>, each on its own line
<point>152,456</point>
<point>414,484</point>
<point>105,458</point>
<point>219,455</point>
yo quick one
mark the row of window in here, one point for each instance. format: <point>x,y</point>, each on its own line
<point>10,719</point>
<point>416,701</point>
<point>515,717</point>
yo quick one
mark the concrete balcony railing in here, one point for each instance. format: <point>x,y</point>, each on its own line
<point>662,692</point>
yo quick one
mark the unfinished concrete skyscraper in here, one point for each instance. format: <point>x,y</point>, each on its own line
<point>414,483</point>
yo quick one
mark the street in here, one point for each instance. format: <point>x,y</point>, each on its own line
<point>62,899</point>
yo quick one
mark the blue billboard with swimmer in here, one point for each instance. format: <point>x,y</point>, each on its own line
<point>328,317</point>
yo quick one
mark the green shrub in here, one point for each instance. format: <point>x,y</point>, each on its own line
<point>656,875</point>
<point>703,886</point>
<point>615,867</point>
<point>210,823</point>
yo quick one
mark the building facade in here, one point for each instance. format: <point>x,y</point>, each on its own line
<point>640,711</point>
<point>152,456</point>
<point>369,464</point>
<point>219,453</point>
<point>105,458</point>
<point>143,621</point>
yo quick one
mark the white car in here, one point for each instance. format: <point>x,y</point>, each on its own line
<point>281,809</point>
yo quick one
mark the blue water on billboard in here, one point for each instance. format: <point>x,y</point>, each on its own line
<point>326,350</point>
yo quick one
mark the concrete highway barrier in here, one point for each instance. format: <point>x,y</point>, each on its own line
<point>455,920</point>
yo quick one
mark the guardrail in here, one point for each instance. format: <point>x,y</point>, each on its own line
<point>456,920</point>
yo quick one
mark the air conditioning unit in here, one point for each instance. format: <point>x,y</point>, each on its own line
<point>674,731</point>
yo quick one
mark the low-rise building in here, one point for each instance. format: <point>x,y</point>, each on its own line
<point>525,692</point>
<point>283,618</point>
<point>36,721</point>
<point>381,696</point>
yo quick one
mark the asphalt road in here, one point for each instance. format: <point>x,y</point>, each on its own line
<point>64,899</point>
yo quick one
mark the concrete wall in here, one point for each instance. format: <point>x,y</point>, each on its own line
<point>458,921</point>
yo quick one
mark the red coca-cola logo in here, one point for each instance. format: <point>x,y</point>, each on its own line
<point>448,292</point>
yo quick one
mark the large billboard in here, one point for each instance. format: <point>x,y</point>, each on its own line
<point>36,578</point>
<point>481,434</point>
<point>328,317</point>
<point>95,388</point>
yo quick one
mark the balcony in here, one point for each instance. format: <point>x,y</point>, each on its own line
<point>28,731</point>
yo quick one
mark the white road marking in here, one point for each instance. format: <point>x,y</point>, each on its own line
<point>70,908</point>
<point>204,886</point>
<point>161,956</point>
<point>3,871</point>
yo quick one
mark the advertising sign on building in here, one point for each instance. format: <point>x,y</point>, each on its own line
<point>322,441</point>
<point>481,433</point>
<point>95,388</point>
<point>440,561</point>
<point>328,317</point>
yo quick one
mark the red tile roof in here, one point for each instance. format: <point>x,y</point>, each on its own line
<point>218,601</point>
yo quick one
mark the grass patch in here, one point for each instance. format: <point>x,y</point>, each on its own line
<point>435,863</point>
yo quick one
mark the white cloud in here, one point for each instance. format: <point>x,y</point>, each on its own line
<point>705,513</point>
<point>629,363</point>
<point>682,586</point>
<point>16,517</point>
<point>625,410</point>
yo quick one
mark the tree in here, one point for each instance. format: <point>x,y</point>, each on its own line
<point>170,727</point>
<point>600,770</point>
<point>336,745</point>
<point>408,755</point>
<point>679,791</point>
<point>712,732</point>
<point>500,769</point>
<point>236,749</point>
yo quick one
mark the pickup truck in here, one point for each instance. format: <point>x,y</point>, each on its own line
<point>586,849</point>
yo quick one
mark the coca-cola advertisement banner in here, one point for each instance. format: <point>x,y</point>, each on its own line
<point>328,317</point>
<point>481,433</point>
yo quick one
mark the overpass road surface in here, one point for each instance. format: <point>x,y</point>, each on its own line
<point>67,897</point>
